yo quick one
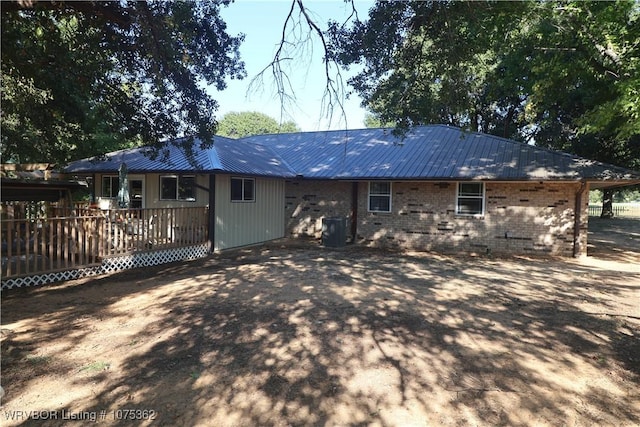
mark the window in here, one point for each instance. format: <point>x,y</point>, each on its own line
<point>187,188</point>
<point>178,187</point>
<point>110,186</point>
<point>380,197</point>
<point>470,198</point>
<point>242,190</point>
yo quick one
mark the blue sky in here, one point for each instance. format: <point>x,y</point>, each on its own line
<point>261,22</point>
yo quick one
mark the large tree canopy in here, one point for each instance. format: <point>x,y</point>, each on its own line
<point>562,74</point>
<point>81,78</point>
<point>238,125</point>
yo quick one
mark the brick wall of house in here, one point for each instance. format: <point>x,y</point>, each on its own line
<point>519,217</point>
<point>308,202</point>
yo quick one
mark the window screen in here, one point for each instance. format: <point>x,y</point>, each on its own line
<point>470,200</point>
<point>380,196</point>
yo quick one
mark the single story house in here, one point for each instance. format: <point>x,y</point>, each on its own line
<point>437,188</point>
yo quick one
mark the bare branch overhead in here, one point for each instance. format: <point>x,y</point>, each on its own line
<point>300,30</point>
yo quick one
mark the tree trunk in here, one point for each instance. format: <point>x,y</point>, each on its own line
<point>607,203</point>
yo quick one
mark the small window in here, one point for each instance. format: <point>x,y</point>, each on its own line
<point>243,190</point>
<point>187,188</point>
<point>380,197</point>
<point>178,187</point>
<point>470,198</point>
<point>110,186</point>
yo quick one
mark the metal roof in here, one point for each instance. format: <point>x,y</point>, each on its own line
<point>226,155</point>
<point>437,152</point>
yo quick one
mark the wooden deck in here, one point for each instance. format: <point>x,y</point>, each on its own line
<point>85,237</point>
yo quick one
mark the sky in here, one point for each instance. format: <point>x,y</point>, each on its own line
<point>261,22</point>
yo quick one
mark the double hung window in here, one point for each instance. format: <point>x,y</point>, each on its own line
<point>379,196</point>
<point>470,198</point>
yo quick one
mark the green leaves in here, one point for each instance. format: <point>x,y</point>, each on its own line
<point>562,74</point>
<point>85,76</point>
<point>238,125</point>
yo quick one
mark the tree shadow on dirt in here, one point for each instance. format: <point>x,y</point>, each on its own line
<point>277,336</point>
<point>615,239</point>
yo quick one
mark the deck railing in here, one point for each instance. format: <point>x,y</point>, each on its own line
<point>84,237</point>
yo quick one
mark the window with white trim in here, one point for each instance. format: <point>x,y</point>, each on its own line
<point>178,187</point>
<point>379,196</point>
<point>243,190</point>
<point>110,186</point>
<point>470,198</point>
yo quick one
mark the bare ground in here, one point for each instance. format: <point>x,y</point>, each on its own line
<point>291,335</point>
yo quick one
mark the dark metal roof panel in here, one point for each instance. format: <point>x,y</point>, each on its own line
<point>314,154</point>
<point>435,152</point>
<point>226,155</point>
<point>242,157</point>
<point>428,152</point>
<point>138,160</point>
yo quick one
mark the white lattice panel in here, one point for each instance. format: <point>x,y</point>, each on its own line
<point>109,265</point>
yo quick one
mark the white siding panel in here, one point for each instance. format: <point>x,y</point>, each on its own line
<point>246,223</point>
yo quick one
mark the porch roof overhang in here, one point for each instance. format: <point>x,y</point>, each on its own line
<point>614,183</point>
<point>14,190</point>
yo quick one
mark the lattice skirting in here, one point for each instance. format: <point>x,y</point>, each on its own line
<point>109,265</point>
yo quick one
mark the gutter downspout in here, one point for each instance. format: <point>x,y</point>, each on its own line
<point>577,223</point>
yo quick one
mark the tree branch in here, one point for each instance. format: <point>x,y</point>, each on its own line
<point>334,92</point>
<point>334,89</point>
<point>281,79</point>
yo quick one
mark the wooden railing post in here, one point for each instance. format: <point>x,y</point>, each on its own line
<point>32,246</point>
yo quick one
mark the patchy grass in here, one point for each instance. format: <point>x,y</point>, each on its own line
<point>96,367</point>
<point>34,359</point>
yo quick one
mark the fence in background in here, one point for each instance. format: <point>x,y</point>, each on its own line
<point>619,210</point>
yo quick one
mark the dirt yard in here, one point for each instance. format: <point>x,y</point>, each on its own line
<point>290,335</point>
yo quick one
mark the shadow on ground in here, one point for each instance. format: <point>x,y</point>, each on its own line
<point>615,239</point>
<point>277,336</point>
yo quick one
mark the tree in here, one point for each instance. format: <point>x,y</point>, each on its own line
<point>238,125</point>
<point>373,121</point>
<point>561,74</point>
<point>82,78</point>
